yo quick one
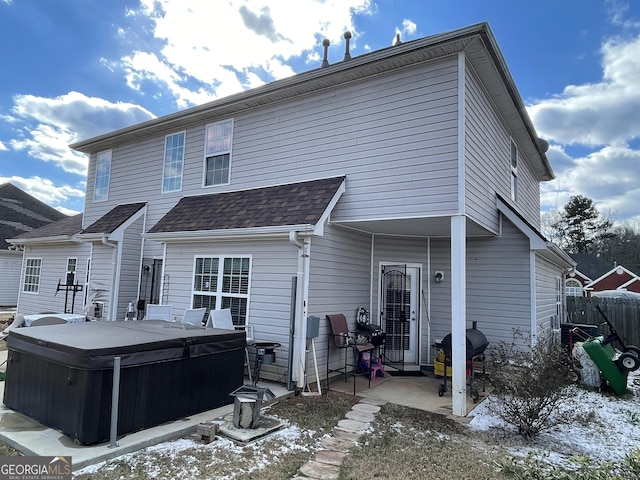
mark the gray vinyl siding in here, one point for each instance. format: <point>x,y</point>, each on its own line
<point>440,293</point>
<point>339,282</point>
<point>498,284</point>
<point>100,280</point>
<point>488,162</point>
<point>54,269</point>
<point>394,133</point>
<point>404,251</point>
<point>10,266</point>
<point>129,273</point>
<point>547,275</point>
<point>273,264</point>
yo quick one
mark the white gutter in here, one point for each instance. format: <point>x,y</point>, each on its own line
<point>302,301</point>
<point>114,268</point>
<point>244,233</point>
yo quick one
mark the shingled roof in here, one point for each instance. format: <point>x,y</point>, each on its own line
<point>20,213</point>
<point>66,227</point>
<point>301,203</point>
<point>109,222</point>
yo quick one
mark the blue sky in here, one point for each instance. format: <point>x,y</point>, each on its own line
<point>73,69</point>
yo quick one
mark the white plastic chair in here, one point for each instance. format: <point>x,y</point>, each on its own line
<point>194,316</point>
<point>222,319</point>
<point>158,312</point>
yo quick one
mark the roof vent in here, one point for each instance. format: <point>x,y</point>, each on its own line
<point>347,37</point>
<point>325,44</point>
<point>397,41</point>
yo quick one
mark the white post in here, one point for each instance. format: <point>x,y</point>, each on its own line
<point>458,315</point>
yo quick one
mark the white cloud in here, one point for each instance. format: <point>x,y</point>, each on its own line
<point>44,190</point>
<point>596,114</point>
<point>223,47</point>
<point>409,27</point>
<point>48,125</point>
<point>600,121</point>
<point>2,146</point>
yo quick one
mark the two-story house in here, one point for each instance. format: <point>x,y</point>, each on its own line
<point>405,181</point>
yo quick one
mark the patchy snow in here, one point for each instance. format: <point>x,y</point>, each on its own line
<point>602,426</point>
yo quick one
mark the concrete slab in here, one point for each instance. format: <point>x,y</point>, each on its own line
<point>247,435</point>
<point>32,438</point>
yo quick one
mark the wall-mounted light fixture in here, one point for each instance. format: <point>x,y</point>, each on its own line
<point>438,277</point>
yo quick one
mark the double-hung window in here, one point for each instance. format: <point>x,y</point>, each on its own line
<point>514,171</point>
<point>33,267</point>
<point>223,282</point>
<point>217,161</point>
<point>173,162</point>
<point>72,265</point>
<point>103,173</point>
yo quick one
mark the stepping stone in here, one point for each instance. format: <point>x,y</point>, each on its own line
<point>363,417</point>
<point>330,456</point>
<point>320,471</point>
<point>353,425</point>
<point>366,407</point>
<point>337,444</point>
<point>373,401</point>
<point>346,434</point>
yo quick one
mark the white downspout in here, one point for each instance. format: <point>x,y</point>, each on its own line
<point>300,325</point>
<point>114,265</point>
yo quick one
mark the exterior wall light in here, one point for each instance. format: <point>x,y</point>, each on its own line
<point>438,277</point>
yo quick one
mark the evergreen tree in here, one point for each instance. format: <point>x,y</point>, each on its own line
<point>581,228</point>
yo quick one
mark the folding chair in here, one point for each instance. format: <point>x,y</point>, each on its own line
<point>158,312</point>
<point>343,339</point>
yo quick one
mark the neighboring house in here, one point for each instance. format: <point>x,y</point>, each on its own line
<point>592,274</point>
<point>19,213</point>
<point>618,278</point>
<point>588,267</point>
<point>405,180</point>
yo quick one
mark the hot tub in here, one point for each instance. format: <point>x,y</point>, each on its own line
<point>62,375</point>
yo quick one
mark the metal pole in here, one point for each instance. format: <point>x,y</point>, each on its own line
<point>115,393</point>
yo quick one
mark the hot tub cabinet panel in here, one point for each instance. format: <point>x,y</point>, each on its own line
<point>62,375</point>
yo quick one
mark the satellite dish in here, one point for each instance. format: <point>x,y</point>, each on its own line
<point>544,145</point>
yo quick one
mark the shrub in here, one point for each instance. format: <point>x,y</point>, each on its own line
<point>529,384</point>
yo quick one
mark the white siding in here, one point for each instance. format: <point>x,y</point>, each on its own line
<point>54,270</point>
<point>488,162</point>
<point>10,266</point>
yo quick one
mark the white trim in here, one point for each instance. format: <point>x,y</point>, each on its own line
<point>164,161</point>
<point>533,296</point>
<point>461,133</point>
<point>458,315</point>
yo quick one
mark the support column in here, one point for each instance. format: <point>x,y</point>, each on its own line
<point>458,315</point>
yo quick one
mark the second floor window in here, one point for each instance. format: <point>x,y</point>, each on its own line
<point>218,153</point>
<point>514,172</point>
<point>103,173</point>
<point>173,162</point>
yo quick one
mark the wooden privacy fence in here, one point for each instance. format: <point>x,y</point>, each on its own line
<point>623,313</point>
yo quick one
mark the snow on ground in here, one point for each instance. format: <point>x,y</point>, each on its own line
<point>603,427</point>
